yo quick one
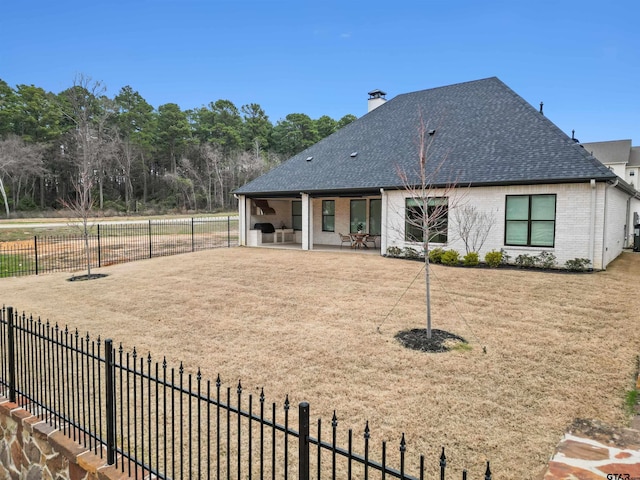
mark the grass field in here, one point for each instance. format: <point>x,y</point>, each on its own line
<point>320,327</point>
<point>9,264</point>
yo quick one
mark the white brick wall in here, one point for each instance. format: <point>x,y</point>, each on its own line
<point>573,219</point>
<point>616,219</point>
<point>342,220</point>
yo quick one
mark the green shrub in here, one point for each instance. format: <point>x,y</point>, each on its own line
<point>450,257</point>
<point>27,204</point>
<point>526,261</point>
<point>546,259</point>
<point>577,264</point>
<point>394,252</point>
<point>493,258</point>
<point>631,400</point>
<point>410,252</point>
<point>505,256</point>
<point>471,259</point>
<point>435,255</point>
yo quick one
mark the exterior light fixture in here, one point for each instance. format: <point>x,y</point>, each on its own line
<point>354,155</point>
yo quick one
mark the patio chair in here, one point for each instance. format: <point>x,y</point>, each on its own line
<point>371,239</point>
<point>345,239</point>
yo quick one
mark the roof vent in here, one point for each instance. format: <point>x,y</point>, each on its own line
<point>309,159</point>
<point>573,136</point>
<point>354,154</point>
<point>432,131</point>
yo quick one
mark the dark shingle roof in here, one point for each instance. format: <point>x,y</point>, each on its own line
<point>485,132</point>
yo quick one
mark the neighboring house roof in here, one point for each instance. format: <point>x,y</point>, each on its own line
<point>615,151</point>
<point>634,157</point>
<point>485,134</point>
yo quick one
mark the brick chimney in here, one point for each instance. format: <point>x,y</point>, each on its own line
<point>376,98</point>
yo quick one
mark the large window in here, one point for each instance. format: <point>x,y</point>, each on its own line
<point>530,220</point>
<point>296,214</point>
<point>358,215</point>
<point>437,214</point>
<point>375,216</point>
<point>328,215</point>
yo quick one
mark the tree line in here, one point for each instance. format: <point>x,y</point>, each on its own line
<point>125,155</point>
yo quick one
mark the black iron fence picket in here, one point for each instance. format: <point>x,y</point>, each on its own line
<point>112,243</point>
<point>157,421</point>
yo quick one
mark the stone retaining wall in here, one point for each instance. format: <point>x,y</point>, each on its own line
<point>32,449</point>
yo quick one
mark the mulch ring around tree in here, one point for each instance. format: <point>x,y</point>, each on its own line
<point>93,276</point>
<point>440,341</point>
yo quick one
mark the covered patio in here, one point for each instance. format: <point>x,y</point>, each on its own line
<point>319,222</point>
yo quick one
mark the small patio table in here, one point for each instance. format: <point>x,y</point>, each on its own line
<point>358,240</point>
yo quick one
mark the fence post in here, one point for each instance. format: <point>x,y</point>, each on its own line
<point>99,252</point>
<point>303,441</point>
<point>110,401</point>
<point>229,232</point>
<point>193,245</point>
<point>150,251</point>
<point>35,248</point>
<point>12,356</point>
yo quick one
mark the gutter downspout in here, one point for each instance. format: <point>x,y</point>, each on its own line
<point>604,225</point>
<point>629,221</point>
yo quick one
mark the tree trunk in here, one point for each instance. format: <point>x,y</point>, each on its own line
<point>42,192</point>
<point>428,287</point>
<point>4,197</point>
<point>100,190</point>
<point>144,180</point>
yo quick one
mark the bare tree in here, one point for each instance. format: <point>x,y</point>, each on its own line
<point>430,201</point>
<point>107,143</point>
<point>184,186</point>
<point>81,206</point>
<point>81,106</point>
<point>126,153</point>
<point>17,159</point>
<point>472,226</point>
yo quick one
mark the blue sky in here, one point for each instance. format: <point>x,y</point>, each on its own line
<point>581,58</point>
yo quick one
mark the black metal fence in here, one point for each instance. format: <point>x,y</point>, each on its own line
<point>154,421</point>
<point>111,243</point>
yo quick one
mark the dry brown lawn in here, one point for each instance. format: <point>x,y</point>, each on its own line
<point>559,346</point>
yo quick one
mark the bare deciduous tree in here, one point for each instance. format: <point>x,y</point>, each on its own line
<point>472,226</point>
<point>431,201</point>
<point>183,185</point>
<point>17,159</point>
<point>82,102</point>
<point>81,206</point>
<point>126,153</point>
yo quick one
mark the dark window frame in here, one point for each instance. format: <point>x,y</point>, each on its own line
<point>295,215</point>
<point>438,232</point>
<point>530,221</point>
<point>353,226</point>
<point>325,228</point>
<point>373,221</point>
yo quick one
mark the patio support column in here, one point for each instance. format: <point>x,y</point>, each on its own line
<point>307,222</point>
<point>383,221</point>
<point>242,219</point>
